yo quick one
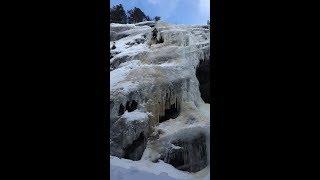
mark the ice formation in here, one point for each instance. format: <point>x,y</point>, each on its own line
<point>159,97</point>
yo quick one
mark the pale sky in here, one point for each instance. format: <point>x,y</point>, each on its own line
<point>172,11</point>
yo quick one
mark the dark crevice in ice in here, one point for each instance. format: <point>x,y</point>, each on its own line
<point>160,40</point>
<point>172,113</point>
<point>203,75</point>
<point>191,157</point>
<point>131,105</point>
<point>121,110</point>
<point>136,149</point>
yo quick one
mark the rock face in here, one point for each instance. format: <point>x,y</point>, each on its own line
<point>155,94</point>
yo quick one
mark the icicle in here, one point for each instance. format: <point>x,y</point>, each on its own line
<point>167,99</point>
<point>163,107</point>
<point>170,95</point>
<point>176,105</point>
<point>160,107</point>
<point>171,98</point>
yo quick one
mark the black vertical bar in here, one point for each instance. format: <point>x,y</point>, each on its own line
<point>102,90</point>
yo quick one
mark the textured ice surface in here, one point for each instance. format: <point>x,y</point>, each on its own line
<point>160,77</point>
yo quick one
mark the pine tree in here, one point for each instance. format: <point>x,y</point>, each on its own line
<point>118,14</point>
<point>148,18</point>
<point>136,15</point>
<point>157,18</point>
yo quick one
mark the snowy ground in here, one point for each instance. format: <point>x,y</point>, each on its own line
<point>124,169</point>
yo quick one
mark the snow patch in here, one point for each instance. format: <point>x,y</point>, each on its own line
<point>124,169</point>
<point>135,115</point>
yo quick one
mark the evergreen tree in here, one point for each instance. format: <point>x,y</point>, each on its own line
<point>118,14</point>
<point>135,15</point>
<point>157,18</point>
<point>148,18</point>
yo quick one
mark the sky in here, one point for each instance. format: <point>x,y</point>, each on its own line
<point>195,12</point>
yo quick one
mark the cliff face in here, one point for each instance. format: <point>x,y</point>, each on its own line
<point>156,108</point>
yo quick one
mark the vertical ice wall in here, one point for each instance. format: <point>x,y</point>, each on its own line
<point>159,78</point>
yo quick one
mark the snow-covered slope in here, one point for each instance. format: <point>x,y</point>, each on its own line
<point>145,170</point>
<point>158,118</point>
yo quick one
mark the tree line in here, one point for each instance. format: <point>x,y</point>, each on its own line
<point>135,15</point>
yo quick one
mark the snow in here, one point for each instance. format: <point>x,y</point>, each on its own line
<point>135,115</point>
<point>118,76</point>
<point>124,169</point>
<point>121,25</point>
<point>145,23</point>
<point>119,173</point>
<point>175,147</point>
<point>124,49</point>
